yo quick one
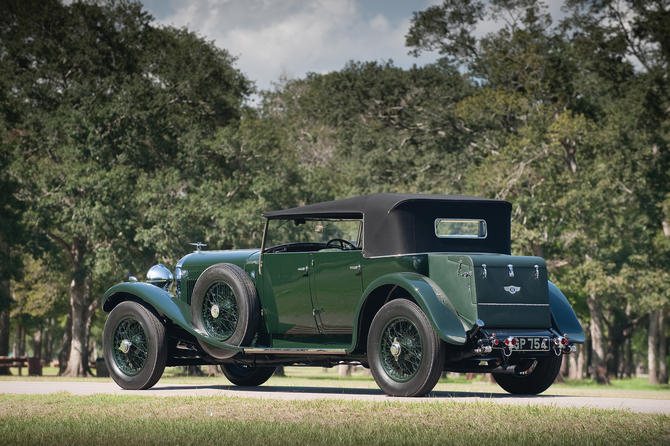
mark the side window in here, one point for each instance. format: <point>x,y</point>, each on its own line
<point>297,235</point>
<point>460,228</point>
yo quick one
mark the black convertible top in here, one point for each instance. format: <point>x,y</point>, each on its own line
<point>396,224</point>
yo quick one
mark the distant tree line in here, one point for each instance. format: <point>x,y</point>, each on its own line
<point>121,142</point>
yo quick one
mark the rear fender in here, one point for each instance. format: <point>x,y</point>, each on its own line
<point>428,295</point>
<point>563,316</point>
<point>162,301</point>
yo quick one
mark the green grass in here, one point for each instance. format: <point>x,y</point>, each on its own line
<point>128,420</point>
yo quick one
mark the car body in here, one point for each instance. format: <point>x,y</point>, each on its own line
<point>409,285</point>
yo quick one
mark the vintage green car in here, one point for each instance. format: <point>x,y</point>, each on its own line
<point>408,285</point>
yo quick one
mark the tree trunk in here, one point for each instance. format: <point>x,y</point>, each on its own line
<point>47,343</point>
<point>662,346</point>
<point>5,300</point>
<point>565,367</point>
<point>563,371</point>
<point>279,371</point>
<point>344,370</point>
<point>599,350</point>
<point>652,347</point>
<point>193,370</point>
<point>581,363</point>
<point>4,334</point>
<point>628,366</point>
<point>64,354</point>
<point>615,334</point>
<point>19,344</point>
<point>37,343</point>
<point>577,359</point>
<point>80,298</point>
<point>213,370</point>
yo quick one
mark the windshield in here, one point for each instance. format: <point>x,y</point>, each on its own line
<point>311,231</point>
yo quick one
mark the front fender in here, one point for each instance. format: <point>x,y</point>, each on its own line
<point>432,300</point>
<point>172,307</point>
<point>564,316</point>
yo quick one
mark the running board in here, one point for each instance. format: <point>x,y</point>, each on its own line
<point>297,351</point>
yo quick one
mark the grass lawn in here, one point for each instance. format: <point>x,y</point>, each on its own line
<point>128,420</point>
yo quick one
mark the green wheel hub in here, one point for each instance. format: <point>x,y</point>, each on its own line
<point>400,349</point>
<point>130,346</point>
<point>219,311</point>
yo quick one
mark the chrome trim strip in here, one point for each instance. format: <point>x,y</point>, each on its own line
<point>290,351</point>
<point>517,305</point>
<point>455,253</point>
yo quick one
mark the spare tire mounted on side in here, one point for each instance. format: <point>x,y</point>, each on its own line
<point>226,307</point>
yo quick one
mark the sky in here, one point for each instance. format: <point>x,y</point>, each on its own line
<point>290,38</point>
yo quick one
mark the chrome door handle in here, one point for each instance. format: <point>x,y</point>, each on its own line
<point>304,268</point>
<point>355,267</point>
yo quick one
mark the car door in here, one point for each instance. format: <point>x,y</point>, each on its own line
<point>337,286</point>
<point>287,293</point>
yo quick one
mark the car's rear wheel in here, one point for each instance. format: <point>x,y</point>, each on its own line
<point>134,346</point>
<point>243,375</point>
<point>536,379</point>
<point>405,353</point>
<point>226,307</point>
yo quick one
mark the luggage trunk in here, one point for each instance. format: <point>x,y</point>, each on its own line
<point>501,290</point>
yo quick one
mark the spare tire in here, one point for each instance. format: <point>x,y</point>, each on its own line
<point>225,306</point>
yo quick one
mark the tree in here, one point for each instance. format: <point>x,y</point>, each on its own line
<point>100,99</point>
<point>376,127</point>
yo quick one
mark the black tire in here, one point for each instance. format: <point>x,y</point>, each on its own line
<point>134,346</point>
<point>535,380</point>
<point>405,353</point>
<point>242,375</point>
<point>225,305</point>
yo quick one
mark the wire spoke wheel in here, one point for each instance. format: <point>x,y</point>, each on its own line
<point>135,345</point>
<point>130,346</point>
<point>219,311</point>
<point>406,356</point>
<point>401,349</point>
<point>226,308</point>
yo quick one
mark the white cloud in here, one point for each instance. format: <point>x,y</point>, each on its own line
<point>271,38</point>
<point>380,23</point>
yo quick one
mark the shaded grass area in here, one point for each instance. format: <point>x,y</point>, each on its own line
<point>124,420</point>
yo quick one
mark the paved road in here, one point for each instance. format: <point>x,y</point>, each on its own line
<point>310,393</point>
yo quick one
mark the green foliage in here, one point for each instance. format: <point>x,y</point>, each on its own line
<point>376,127</point>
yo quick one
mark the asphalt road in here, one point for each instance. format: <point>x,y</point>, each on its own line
<point>311,393</point>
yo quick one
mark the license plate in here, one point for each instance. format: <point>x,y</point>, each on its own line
<point>532,343</point>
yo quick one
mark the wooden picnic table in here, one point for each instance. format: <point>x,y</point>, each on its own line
<point>34,364</point>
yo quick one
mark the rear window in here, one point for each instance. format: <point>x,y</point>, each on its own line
<point>460,228</point>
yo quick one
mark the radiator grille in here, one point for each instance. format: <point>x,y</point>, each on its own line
<point>190,283</point>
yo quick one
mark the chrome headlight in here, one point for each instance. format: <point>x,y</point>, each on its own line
<point>160,276</point>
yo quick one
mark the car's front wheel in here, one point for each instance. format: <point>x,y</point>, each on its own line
<point>135,346</point>
<point>405,353</point>
<point>243,375</point>
<point>536,379</point>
